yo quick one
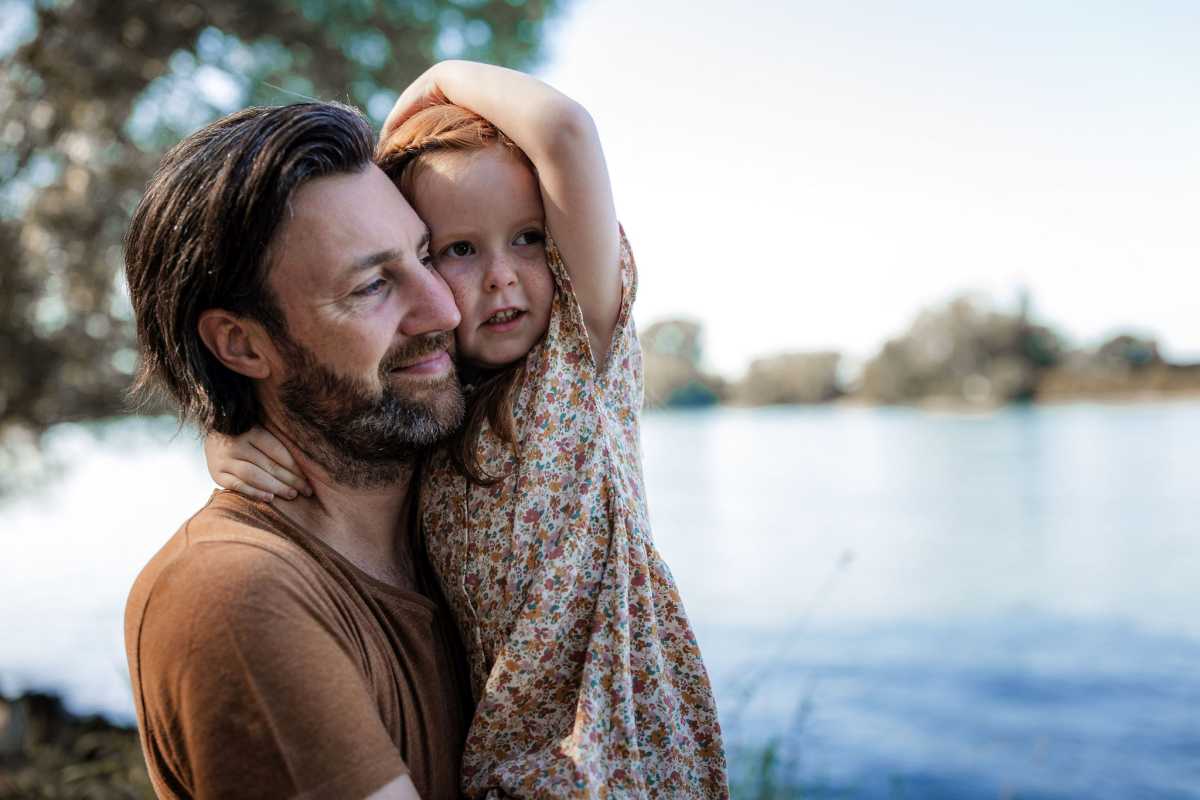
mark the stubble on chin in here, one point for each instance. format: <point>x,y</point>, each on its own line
<point>368,436</point>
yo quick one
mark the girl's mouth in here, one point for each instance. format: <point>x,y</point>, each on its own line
<point>504,319</point>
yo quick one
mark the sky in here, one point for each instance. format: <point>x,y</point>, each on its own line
<point>810,175</point>
<point>801,175</point>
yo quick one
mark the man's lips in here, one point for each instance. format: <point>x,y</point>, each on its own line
<point>431,364</point>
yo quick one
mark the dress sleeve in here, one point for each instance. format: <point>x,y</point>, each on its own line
<point>567,343</point>
<point>249,686</point>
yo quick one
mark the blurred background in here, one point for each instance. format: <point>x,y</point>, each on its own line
<point>918,298</point>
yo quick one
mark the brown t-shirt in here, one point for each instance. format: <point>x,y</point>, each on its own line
<point>266,665</point>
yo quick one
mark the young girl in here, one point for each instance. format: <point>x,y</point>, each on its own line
<point>587,674</point>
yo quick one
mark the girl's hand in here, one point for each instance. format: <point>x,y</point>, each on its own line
<point>422,93</point>
<point>255,464</point>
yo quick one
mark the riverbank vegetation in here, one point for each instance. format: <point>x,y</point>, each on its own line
<point>46,752</point>
<point>964,354</point>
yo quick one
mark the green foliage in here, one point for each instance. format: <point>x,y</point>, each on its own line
<point>772,771</point>
<point>692,395</point>
<point>93,91</point>
<point>674,375</point>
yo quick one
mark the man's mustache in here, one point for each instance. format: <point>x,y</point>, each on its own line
<point>415,350</point>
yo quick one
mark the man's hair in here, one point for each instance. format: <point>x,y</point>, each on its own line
<point>404,155</point>
<point>201,238</point>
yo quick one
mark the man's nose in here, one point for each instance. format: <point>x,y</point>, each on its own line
<point>431,306</point>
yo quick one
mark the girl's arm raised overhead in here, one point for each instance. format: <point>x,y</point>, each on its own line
<point>560,138</point>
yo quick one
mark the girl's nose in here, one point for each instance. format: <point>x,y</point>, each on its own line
<point>500,275</point>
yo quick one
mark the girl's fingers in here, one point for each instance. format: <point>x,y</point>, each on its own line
<point>419,94</point>
<point>283,477</point>
<point>259,480</point>
<point>235,484</point>
<point>273,457</point>
<point>405,107</point>
<point>269,444</point>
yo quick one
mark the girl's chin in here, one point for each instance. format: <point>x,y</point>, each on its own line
<point>494,358</point>
<point>495,352</point>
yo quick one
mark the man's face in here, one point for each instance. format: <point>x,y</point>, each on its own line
<point>365,377</point>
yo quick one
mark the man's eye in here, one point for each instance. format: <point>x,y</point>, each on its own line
<point>530,237</point>
<point>374,287</point>
<point>459,250</point>
<point>427,260</point>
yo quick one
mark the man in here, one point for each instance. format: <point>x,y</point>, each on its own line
<point>279,278</point>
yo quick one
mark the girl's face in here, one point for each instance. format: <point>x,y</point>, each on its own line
<point>484,212</point>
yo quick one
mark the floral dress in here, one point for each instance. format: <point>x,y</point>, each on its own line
<point>587,674</point>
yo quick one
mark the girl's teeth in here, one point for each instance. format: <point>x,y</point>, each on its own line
<point>504,316</point>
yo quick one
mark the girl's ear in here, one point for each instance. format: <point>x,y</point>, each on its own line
<point>239,343</point>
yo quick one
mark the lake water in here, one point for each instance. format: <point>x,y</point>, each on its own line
<point>892,603</point>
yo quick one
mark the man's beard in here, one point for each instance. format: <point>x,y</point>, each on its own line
<point>365,437</point>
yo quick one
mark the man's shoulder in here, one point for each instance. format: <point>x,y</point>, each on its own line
<point>247,670</point>
<point>222,557</point>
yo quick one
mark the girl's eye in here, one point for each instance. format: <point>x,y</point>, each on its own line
<point>372,288</point>
<point>459,250</point>
<point>530,237</point>
<point>427,260</point>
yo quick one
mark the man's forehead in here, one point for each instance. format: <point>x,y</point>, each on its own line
<point>338,221</point>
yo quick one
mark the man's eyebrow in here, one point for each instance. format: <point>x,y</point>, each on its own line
<point>384,256</point>
<point>375,259</point>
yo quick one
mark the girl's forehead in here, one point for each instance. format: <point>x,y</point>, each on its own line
<point>495,160</point>
<point>493,175</point>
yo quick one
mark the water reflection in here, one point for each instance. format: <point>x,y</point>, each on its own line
<point>1019,616</point>
<point>1073,510</point>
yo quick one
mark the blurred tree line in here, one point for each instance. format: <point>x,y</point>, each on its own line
<point>962,353</point>
<point>92,92</point>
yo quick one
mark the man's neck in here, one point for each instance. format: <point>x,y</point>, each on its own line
<point>366,526</point>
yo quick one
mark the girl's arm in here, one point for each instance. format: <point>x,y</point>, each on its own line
<point>255,464</point>
<point>559,137</point>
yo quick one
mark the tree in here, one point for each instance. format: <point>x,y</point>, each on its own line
<point>93,91</point>
<point>673,356</point>
<point>964,352</point>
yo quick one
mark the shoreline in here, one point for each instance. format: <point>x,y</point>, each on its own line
<point>47,751</point>
<point>955,405</point>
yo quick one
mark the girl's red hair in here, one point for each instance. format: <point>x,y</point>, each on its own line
<point>442,128</point>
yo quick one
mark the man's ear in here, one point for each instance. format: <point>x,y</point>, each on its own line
<point>239,343</point>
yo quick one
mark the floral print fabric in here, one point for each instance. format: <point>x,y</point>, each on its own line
<point>587,674</point>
